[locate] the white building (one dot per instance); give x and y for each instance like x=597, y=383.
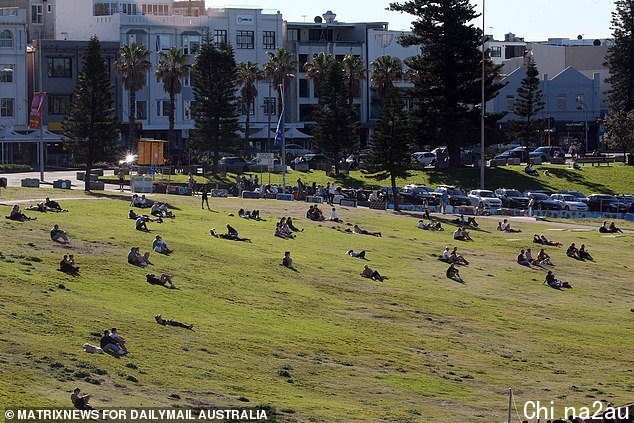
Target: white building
x=14, y=107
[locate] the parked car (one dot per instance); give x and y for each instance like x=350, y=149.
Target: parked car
x=517, y=153
x=578, y=195
x=543, y=201
x=512, y=198
x=234, y=164
x=456, y=197
x=416, y=194
x=606, y=203
x=425, y=158
x=295, y=150
x=547, y=153
x=315, y=161
x=484, y=198
x=569, y=202
x=441, y=154
x=469, y=156
x=627, y=199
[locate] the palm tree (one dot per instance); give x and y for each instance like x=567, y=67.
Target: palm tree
x=414, y=73
x=133, y=66
x=248, y=75
x=386, y=70
x=172, y=67
x=280, y=70
x=317, y=69
x=355, y=73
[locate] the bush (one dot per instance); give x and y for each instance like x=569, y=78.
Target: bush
x=9, y=167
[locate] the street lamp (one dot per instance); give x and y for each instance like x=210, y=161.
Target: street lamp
x=581, y=105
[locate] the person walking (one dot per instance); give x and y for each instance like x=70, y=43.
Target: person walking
x=121, y=179
x=205, y=197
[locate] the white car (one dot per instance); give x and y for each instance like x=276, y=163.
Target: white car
x=296, y=150
x=569, y=202
x=425, y=158
x=485, y=199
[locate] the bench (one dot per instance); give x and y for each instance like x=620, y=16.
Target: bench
x=62, y=184
x=219, y=193
x=30, y=183
x=284, y=197
x=596, y=159
x=251, y=194
x=314, y=199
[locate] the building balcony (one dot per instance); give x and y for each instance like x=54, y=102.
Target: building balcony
x=12, y=15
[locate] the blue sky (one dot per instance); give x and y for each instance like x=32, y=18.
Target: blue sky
x=533, y=19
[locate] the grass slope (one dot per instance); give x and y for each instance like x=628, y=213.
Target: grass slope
x=322, y=344
x=613, y=179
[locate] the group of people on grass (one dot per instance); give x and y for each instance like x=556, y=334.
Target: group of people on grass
x=67, y=265
x=609, y=229
x=433, y=225
x=525, y=258
x=580, y=253
x=47, y=206
x=285, y=228
x=246, y=214
x=541, y=239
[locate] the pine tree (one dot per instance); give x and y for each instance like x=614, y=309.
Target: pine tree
x=391, y=142
x=620, y=58
x=91, y=123
x=448, y=73
x=620, y=130
x=214, y=109
x=530, y=101
x=335, y=132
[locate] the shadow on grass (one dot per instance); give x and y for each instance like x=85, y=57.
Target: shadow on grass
x=576, y=177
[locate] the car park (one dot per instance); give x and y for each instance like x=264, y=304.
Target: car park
x=512, y=198
x=569, y=202
x=606, y=203
x=547, y=153
x=456, y=197
x=543, y=201
x=484, y=198
x=418, y=194
x=517, y=153
x=578, y=195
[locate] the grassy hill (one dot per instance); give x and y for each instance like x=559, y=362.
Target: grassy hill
x=321, y=344
x=614, y=179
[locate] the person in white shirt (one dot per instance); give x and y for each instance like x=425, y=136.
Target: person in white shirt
x=331, y=193
x=334, y=216
x=160, y=246
x=445, y=255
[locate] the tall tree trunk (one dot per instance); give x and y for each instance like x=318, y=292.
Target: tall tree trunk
x=279, y=101
x=247, y=126
x=132, y=119
x=170, y=133
x=394, y=193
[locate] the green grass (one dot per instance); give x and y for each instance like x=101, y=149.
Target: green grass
x=416, y=347
x=617, y=178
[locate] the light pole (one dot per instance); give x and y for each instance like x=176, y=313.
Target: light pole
x=482, y=158
x=581, y=105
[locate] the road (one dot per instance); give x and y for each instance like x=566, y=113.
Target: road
x=14, y=179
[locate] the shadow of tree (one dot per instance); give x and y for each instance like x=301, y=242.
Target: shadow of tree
x=576, y=177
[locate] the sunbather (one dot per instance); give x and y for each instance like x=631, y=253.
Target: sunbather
x=287, y=261
x=165, y=322
x=371, y=274
x=163, y=280
x=573, y=252
x=358, y=230
x=461, y=234
x=554, y=282
x=57, y=234
x=140, y=224
x=231, y=235
x=521, y=259
x=454, y=257
x=80, y=402
x=67, y=265
x=135, y=257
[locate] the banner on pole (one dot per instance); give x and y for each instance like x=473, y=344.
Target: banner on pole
x=35, y=118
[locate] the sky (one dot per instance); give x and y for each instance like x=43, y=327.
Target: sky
x=535, y=20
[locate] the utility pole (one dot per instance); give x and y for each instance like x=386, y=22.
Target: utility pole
x=482, y=158
x=42, y=145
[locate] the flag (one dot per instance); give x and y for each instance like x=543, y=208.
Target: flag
x=35, y=117
x=279, y=132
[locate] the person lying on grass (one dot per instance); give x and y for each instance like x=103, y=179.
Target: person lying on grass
x=358, y=230
x=461, y=234
x=454, y=274
x=522, y=260
x=166, y=322
x=17, y=215
x=135, y=258
x=132, y=215
x=613, y=229
x=541, y=239
x=360, y=254
x=67, y=265
x=80, y=402
x=109, y=345
x=371, y=274
x=163, y=280
x=231, y=235
x=334, y=216
x=554, y=282
x=573, y=252
x=584, y=254
x=53, y=206
x=160, y=246
x=140, y=225
x=160, y=210
x=59, y=235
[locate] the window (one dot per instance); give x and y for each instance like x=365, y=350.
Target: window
x=6, y=73
x=292, y=35
x=162, y=108
x=60, y=67
x=191, y=44
x=187, y=110
x=510, y=103
x=6, y=39
x=244, y=39
x=561, y=102
x=6, y=107
x=220, y=36
x=187, y=80
x=141, y=110
x=269, y=40
x=270, y=106
x=581, y=102
x=37, y=10
x=303, y=88
x=58, y=104
x=49, y=8
x=496, y=51
x=163, y=42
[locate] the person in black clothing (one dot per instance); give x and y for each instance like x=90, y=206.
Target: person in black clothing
x=163, y=280
x=67, y=267
x=231, y=235
x=291, y=226
x=454, y=274
x=360, y=254
x=205, y=197
x=80, y=402
x=165, y=322
x=109, y=345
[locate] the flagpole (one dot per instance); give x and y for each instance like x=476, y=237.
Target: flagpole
x=283, y=140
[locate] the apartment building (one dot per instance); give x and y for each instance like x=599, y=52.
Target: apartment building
x=40, y=17
x=14, y=99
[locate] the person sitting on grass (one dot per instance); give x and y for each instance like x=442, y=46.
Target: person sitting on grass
x=334, y=216
x=231, y=235
x=613, y=229
x=371, y=274
x=461, y=234
x=460, y=221
x=244, y=214
x=17, y=215
x=160, y=210
x=165, y=322
x=255, y=215
x=471, y=221
x=80, y=402
x=57, y=234
x=118, y=338
x=584, y=254
x=291, y=226
x=505, y=226
x=446, y=255
x=135, y=258
x=287, y=261
x=315, y=214
x=108, y=345
x=160, y=246
x=133, y=216
x=521, y=259
x=139, y=202
x=604, y=229
x=454, y=274
x=454, y=257
x=543, y=259
x=282, y=231
x=140, y=224
x=554, y=282
x=53, y=205
x=163, y=280
x=529, y=169
x=360, y=254
x=358, y=230
x=431, y=226
x=67, y=266
x=573, y=252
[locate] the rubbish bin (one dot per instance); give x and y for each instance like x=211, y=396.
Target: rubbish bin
x=629, y=159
